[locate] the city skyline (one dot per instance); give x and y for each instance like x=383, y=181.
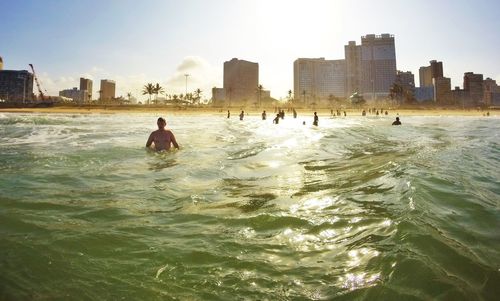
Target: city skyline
x=161, y=41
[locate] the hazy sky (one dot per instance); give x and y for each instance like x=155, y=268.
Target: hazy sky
x=135, y=42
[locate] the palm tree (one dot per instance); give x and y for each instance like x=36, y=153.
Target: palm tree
x=157, y=89
x=260, y=88
x=197, y=94
x=175, y=98
x=148, y=89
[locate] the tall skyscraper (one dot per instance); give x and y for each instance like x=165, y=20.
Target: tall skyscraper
x=108, y=88
x=353, y=67
x=473, y=85
x=86, y=85
x=371, y=66
x=378, y=64
x=241, y=79
x=16, y=86
x=428, y=73
x=317, y=78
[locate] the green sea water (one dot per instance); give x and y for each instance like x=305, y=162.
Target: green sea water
x=355, y=209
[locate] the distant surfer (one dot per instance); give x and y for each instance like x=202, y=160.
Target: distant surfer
x=316, y=119
x=228, y=114
x=397, y=122
x=242, y=114
x=264, y=115
x=162, y=138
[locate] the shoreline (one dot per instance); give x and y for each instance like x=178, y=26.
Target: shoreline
x=235, y=111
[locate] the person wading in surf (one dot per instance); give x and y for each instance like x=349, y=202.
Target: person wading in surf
x=316, y=119
x=162, y=138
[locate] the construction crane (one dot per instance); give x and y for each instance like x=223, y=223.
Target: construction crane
x=42, y=97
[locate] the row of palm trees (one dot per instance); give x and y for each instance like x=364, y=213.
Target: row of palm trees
x=155, y=89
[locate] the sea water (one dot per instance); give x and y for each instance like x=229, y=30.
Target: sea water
x=248, y=210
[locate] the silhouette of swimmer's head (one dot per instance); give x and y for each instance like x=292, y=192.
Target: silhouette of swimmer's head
x=161, y=123
x=397, y=118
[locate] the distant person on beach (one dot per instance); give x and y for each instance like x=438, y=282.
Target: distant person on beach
x=228, y=114
x=397, y=122
x=316, y=119
x=294, y=113
x=363, y=113
x=242, y=114
x=277, y=119
x=162, y=138
x=264, y=115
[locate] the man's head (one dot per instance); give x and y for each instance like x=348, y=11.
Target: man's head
x=161, y=123
x=397, y=118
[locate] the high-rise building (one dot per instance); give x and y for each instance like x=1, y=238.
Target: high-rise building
x=317, y=78
x=86, y=85
x=16, y=86
x=406, y=79
x=218, y=96
x=108, y=88
x=473, y=85
x=1, y=63
x=407, y=82
x=78, y=96
x=378, y=65
x=442, y=90
x=460, y=97
x=371, y=66
x=241, y=79
x=427, y=73
x=491, y=91
x=353, y=67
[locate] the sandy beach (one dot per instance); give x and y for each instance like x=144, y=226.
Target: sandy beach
x=141, y=109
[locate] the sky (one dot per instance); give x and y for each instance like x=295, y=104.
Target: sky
x=137, y=42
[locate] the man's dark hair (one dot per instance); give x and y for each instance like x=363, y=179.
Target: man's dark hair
x=161, y=119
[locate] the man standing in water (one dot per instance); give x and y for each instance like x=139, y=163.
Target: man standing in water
x=264, y=115
x=162, y=138
x=316, y=119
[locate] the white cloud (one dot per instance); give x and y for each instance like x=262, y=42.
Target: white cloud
x=202, y=75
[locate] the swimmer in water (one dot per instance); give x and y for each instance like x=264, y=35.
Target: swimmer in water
x=162, y=138
x=397, y=122
x=277, y=119
x=316, y=119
